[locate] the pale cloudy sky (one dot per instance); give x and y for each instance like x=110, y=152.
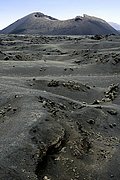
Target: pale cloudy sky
x=12, y=10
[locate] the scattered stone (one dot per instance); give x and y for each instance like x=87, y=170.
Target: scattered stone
x=44, y=103
x=53, y=83
x=112, y=112
x=77, y=61
x=71, y=69
x=14, y=110
x=97, y=37
x=87, y=86
x=98, y=107
x=16, y=96
x=116, y=61
x=112, y=91
x=96, y=102
x=114, y=124
x=2, y=112
x=41, y=69
x=61, y=106
x=111, y=125
x=19, y=57
x=9, y=108
x=63, y=150
x=91, y=121
x=74, y=86
x=82, y=106
x=111, y=175
x=46, y=178
x=6, y=58
x=31, y=84
x=34, y=79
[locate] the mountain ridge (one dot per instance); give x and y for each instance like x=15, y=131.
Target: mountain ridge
x=39, y=23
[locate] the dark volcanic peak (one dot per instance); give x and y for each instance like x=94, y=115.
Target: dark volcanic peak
x=39, y=23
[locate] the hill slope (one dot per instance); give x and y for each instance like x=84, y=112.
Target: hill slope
x=38, y=23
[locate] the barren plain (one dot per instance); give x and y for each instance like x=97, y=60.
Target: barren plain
x=59, y=107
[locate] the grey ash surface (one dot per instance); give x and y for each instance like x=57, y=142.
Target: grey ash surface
x=59, y=107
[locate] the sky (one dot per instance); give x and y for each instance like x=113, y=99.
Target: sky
x=12, y=10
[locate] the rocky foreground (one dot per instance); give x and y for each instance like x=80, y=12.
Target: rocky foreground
x=59, y=107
